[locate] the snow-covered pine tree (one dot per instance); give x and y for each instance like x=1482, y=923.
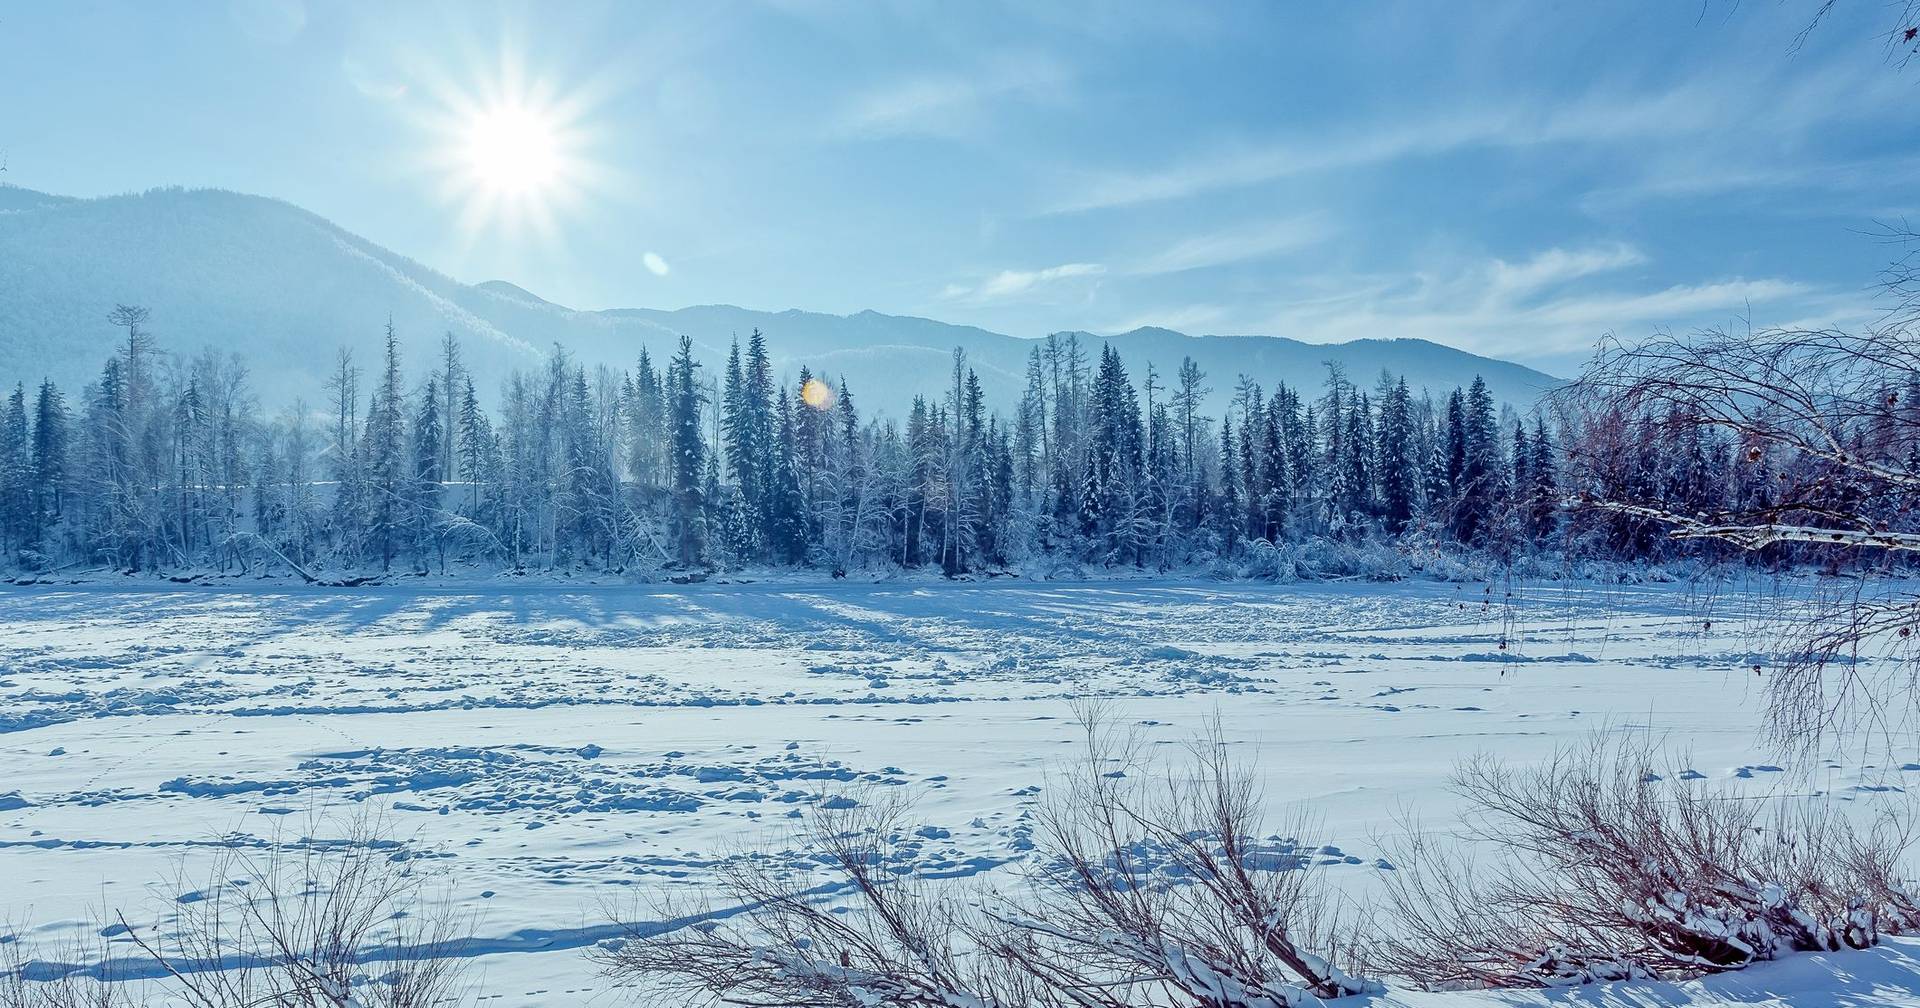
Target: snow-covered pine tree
x=688, y=459
x=427, y=487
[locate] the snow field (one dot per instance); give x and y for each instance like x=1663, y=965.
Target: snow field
x=561, y=751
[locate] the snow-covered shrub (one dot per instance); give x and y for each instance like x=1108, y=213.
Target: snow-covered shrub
x=1154, y=889
x=1267, y=561
x=1368, y=559
x=1599, y=867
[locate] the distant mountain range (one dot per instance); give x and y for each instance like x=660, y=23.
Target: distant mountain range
x=285, y=287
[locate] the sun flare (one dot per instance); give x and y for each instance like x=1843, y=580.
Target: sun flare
x=513, y=150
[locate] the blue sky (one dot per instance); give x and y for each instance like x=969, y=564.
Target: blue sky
x=1516, y=179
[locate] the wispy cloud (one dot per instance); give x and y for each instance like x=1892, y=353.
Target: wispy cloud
x=1549, y=305
x=1721, y=106
x=1079, y=281
x=952, y=104
x=1548, y=308
x=1247, y=165
x=1696, y=174
x=1233, y=245
x=1008, y=285
x=1510, y=281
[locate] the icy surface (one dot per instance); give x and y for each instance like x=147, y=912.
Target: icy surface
x=563, y=750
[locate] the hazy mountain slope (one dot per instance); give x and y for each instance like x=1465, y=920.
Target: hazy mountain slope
x=875, y=350
x=285, y=288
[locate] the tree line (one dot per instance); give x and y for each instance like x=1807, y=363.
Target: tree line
x=164, y=463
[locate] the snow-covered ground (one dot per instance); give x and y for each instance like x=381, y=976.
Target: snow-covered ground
x=563, y=750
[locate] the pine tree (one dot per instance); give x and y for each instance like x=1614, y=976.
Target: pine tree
x=784, y=506
x=1188, y=394
x=1277, y=478
x=1228, y=514
x=1543, y=519
x=1359, y=506
x=688, y=461
x=427, y=489
x=16, y=472
x=1481, y=475
x=1454, y=464
x=1400, y=468
x=646, y=427
x=917, y=491
x=738, y=431
x=452, y=379
x=388, y=482
x=475, y=446
x=49, y=455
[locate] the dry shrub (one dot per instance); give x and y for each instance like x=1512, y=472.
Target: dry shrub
x=26, y=984
x=775, y=938
x=312, y=924
x=1161, y=891
x=1152, y=895
x=1593, y=866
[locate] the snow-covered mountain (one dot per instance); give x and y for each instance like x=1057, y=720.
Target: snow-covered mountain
x=286, y=287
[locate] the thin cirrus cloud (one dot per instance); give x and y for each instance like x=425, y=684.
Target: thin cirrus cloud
x=1527, y=309
x=952, y=105
x=1715, y=109
x=1235, y=245
x=1012, y=284
x=1547, y=308
x=1198, y=252
x=1510, y=281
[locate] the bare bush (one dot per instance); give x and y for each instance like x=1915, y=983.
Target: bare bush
x=779, y=939
x=311, y=924
x=1162, y=892
x=1600, y=868
x=28, y=984
x=1144, y=896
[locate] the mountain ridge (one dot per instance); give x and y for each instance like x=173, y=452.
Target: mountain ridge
x=285, y=286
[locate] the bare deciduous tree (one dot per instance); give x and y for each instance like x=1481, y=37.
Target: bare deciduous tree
x=1824, y=433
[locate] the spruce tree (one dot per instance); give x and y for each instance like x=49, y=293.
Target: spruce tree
x=16, y=472
x=688, y=460
x=1400, y=468
x=426, y=491
x=388, y=482
x=1544, y=515
x=1228, y=515
x=49, y=455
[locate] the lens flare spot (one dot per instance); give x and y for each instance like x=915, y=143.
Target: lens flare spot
x=816, y=394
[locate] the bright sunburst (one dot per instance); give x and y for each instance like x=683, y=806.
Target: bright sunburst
x=513, y=151
x=510, y=148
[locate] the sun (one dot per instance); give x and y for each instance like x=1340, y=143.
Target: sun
x=513, y=151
